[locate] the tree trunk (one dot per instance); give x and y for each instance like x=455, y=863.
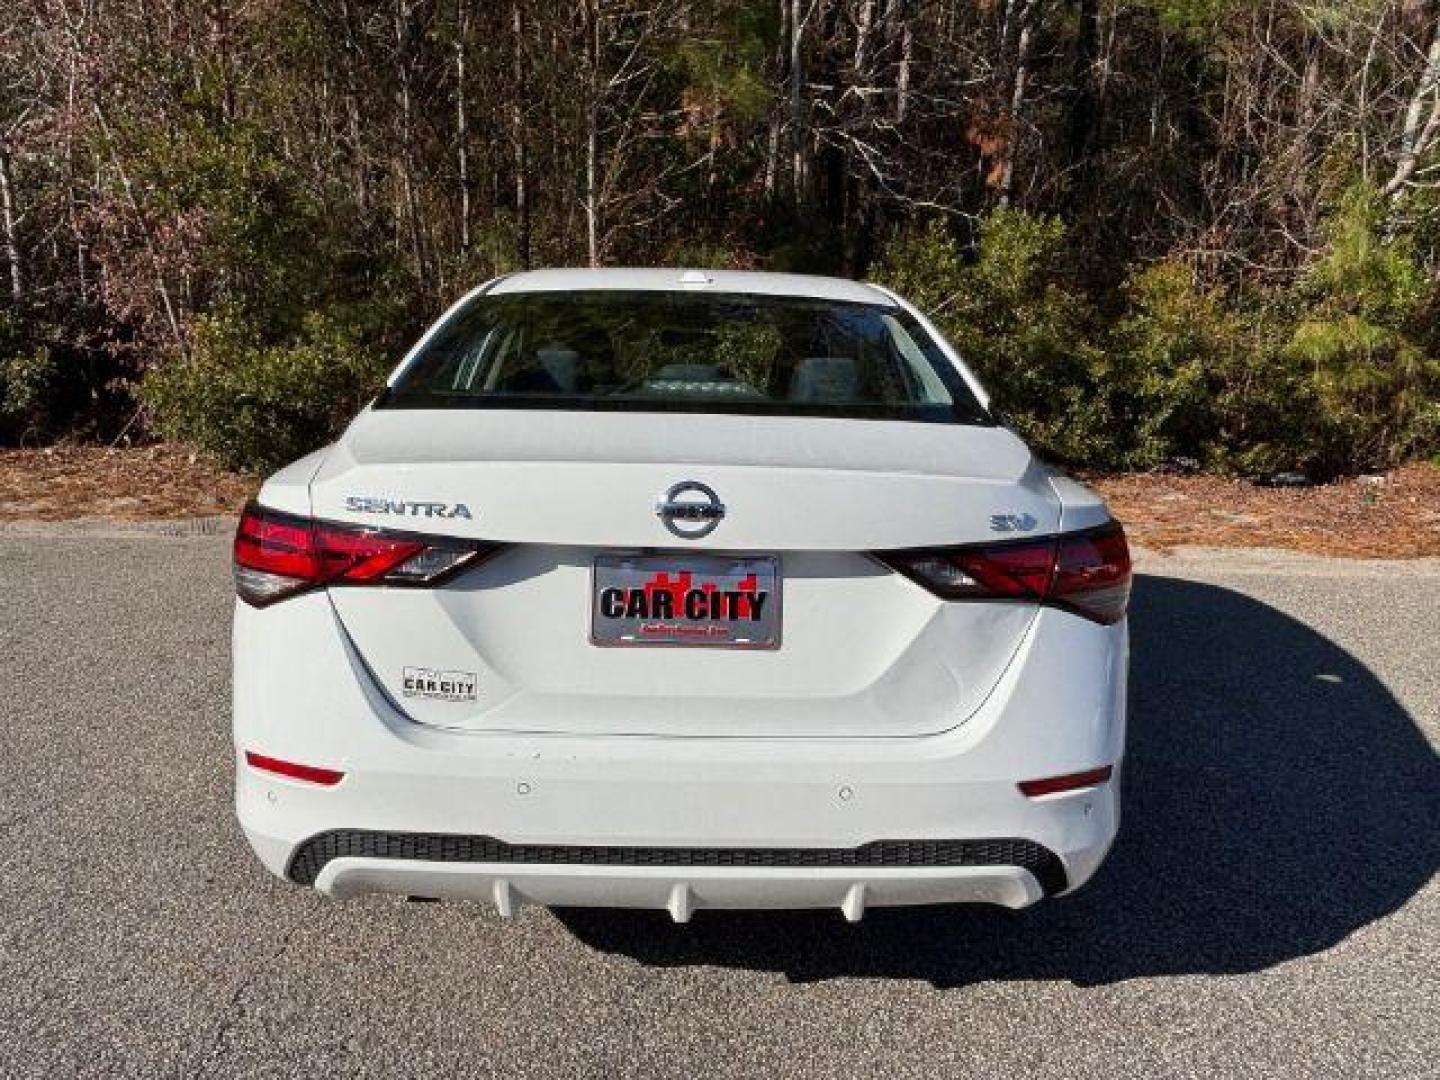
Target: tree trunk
x=776, y=124
x=592, y=211
x=9, y=219
x=864, y=22
x=712, y=165
x=592, y=131
x=1027, y=17
x=1421, y=128
x=410, y=211
x=797, y=112
x=1083, y=118
x=1307, y=114
x=517, y=137
x=462, y=122
x=72, y=210
x=902, y=77
x=772, y=154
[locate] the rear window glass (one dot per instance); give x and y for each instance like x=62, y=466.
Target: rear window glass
x=686, y=352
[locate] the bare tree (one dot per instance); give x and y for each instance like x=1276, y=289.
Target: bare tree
x=1420, y=128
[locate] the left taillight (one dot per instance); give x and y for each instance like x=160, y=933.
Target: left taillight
x=278, y=555
x=1087, y=572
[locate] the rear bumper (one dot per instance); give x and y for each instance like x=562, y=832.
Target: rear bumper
x=680, y=892
x=675, y=823
x=1013, y=873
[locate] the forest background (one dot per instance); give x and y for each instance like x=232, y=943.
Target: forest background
x=1183, y=234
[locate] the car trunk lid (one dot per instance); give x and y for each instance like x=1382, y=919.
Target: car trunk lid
x=858, y=649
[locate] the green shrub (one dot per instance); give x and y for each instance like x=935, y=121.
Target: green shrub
x=28, y=379
x=1366, y=344
x=1173, y=349
x=31, y=384
x=1013, y=319
x=1337, y=373
x=1201, y=377
x=256, y=406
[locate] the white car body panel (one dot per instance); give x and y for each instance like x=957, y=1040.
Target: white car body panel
x=594, y=478
x=896, y=671
x=1081, y=507
x=906, y=663
x=703, y=792
x=885, y=714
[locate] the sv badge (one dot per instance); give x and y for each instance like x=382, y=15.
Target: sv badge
x=1012, y=522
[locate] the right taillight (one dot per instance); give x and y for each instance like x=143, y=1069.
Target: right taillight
x=279, y=555
x=1084, y=572
x=1092, y=574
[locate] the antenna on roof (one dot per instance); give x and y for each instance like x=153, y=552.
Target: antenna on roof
x=696, y=277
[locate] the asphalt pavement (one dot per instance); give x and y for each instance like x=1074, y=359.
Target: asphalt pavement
x=1270, y=909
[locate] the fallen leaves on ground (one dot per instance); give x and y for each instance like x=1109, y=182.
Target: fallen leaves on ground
x=1390, y=516
x=125, y=484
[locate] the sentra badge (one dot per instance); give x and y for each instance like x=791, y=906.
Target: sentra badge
x=371, y=504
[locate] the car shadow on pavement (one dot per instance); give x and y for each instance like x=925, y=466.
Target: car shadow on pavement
x=1277, y=799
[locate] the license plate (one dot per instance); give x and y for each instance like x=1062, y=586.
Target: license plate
x=686, y=600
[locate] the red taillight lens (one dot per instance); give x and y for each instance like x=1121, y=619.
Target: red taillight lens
x=1092, y=574
x=276, y=544
x=1021, y=571
x=313, y=774
x=1087, y=572
x=352, y=556
x=278, y=555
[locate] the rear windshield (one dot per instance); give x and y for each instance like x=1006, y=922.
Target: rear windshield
x=686, y=352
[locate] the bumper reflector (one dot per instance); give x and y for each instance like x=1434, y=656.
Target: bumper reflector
x=1053, y=785
x=294, y=771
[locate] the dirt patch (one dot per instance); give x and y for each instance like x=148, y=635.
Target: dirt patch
x=130, y=484
x=1395, y=516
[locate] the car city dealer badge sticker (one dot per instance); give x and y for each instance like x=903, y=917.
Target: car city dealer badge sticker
x=439, y=685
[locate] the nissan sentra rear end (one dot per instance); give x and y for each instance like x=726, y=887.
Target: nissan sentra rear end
x=717, y=590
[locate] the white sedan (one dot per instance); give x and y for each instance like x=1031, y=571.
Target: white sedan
x=642, y=588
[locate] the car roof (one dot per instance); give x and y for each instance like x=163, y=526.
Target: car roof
x=684, y=280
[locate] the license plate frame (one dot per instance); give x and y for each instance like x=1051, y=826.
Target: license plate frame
x=733, y=627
